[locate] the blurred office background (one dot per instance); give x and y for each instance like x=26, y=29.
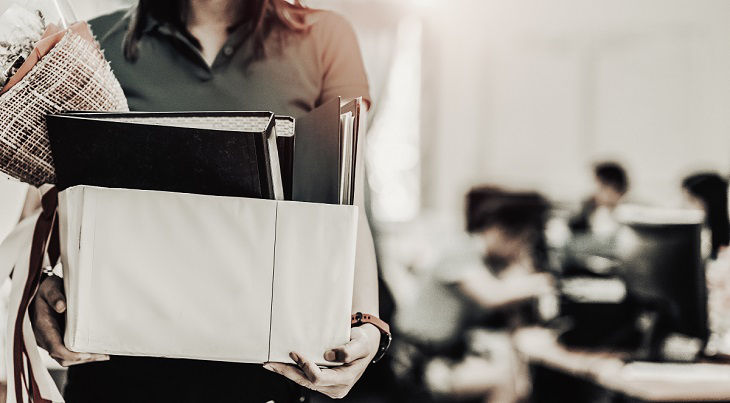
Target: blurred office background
x=526, y=95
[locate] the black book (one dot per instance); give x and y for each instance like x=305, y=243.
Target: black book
x=213, y=153
x=317, y=155
x=349, y=137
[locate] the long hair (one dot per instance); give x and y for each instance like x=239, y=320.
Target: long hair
x=260, y=18
x=712, y=189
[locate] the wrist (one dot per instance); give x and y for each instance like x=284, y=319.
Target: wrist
x=359, y=319
x=373, y=338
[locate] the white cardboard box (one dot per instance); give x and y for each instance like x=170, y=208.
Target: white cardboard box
x=179, y=275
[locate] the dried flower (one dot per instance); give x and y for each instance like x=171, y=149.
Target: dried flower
x=20, y=29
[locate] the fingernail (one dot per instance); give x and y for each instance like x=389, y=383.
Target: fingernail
x=268, y=367
x=329, y=355
x=60, y=306
x=103, y=358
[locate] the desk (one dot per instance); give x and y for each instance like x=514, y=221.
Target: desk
x=680, y=383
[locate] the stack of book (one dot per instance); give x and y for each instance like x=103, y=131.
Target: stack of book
x=242, y=154
x=224, y=236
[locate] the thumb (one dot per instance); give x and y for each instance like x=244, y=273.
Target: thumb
x=355, y=349
x=53, y=294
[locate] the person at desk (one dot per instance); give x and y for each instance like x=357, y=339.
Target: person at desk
x=596, y=214
x=708, y=192
x=454, y=340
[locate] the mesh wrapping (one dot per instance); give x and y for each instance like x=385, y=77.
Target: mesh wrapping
x=73, y=76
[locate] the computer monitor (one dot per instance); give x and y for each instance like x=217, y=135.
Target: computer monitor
x=662, y=265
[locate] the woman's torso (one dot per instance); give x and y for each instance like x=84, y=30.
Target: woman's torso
x=298, y=73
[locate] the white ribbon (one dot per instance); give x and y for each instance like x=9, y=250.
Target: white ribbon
x=15, y=253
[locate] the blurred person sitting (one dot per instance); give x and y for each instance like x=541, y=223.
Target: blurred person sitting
x=596, y=214
x=709, y=192
x=454, y=338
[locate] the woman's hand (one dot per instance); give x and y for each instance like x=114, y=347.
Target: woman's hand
x=334, y=382
x=49, y=306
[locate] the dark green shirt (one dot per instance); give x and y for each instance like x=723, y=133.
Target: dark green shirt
x=297, y=75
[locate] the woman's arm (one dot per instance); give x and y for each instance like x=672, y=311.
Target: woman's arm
x=32, y=202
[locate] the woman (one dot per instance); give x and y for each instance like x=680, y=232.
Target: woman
x=224, y=55
x=708, y=191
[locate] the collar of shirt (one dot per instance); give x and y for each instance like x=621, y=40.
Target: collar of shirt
x=236, y=38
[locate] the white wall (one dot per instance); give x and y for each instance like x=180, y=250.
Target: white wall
x=528, y=92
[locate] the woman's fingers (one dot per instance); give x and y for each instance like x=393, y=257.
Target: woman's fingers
x=45, y=324
x=355, y=349
x=317, y=376
x=45, y=320
x=335, y=383
x=49, y=336
x=306, y=373
x=47, y=327
x=51, y=290
x=291, y=372
x=310, y=369
x=68, y=358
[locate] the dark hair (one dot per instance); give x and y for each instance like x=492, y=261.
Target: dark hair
x=259, y=16
x=712, y=189
x=516, y=213
x=612, y=174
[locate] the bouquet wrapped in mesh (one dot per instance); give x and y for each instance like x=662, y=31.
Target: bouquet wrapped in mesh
x=65, y=71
